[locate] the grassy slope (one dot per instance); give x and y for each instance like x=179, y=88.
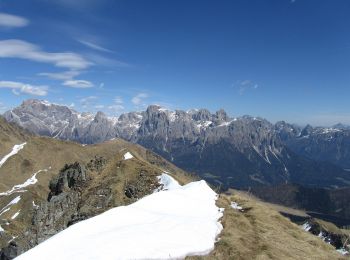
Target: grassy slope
x=262, y=233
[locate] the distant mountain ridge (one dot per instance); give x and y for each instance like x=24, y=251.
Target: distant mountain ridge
x=241, y=152
x=330, y=144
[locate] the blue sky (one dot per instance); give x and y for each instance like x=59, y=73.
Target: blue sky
x=278, y=59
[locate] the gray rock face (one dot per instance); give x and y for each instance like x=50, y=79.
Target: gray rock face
x=239, y=152
x=329, y=144
x=61, y=122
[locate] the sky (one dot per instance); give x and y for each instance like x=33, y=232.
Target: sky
x=277, y=59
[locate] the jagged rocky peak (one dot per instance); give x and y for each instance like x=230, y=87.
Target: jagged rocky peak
x=202, y=115
x=130, y=117
x=341, y=126
x=70, y=177
x=287, y=131
x=307, y=130
x=100, y=116
x=221, y=115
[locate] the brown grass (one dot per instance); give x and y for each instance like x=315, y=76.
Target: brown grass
x=262, y=233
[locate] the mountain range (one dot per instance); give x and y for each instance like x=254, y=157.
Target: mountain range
x=239, y=152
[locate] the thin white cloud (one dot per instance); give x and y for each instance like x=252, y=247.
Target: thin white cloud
x=118, y=100
x=19, y=88
x=66, y=75
x=244, y=85
x=78, y=83
x=87, y=102
x=117, y=107
x=139, y=98
x=12, y=21
x=99, y=106
x=89, y=98
x=94, y=46
x=105, y=61
x=24, y=50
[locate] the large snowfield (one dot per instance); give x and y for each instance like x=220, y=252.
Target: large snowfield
x=170, y=224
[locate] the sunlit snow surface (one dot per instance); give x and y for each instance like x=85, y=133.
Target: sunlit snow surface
x=306, y=226
x=14, y=151
x=8, y=206
x=172, y=223
x=167, y=182
x=235, y=205
x=128, y=156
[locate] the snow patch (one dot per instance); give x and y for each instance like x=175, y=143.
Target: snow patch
x=167, y=183
x=204, y=124
x=14, y=151
x=169, y=224
x=8, y=206
x=343, y=251
x=306, y=226
x=18, y=188
x=235, y=205
x=226, y=123
x=34, y=205
x=128, y=156
x=15, y=215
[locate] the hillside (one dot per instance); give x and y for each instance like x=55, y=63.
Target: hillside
x=46, y=168
x=254, y=230
x=329, y=203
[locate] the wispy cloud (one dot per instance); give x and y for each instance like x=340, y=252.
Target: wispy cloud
x=12, y=21
x=106, y=61
x=94, y=46
x=99, y=106
x=24, y=50
x=19, y=88
x=78, y=83
x=244, y=85
x=66, y=75
x=139, y=98
x=89, y=101
x=117, y=107
x=118, y=100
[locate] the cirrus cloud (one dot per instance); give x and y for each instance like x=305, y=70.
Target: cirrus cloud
x=24, y=50
x=138, y=99
x=12, y=21
x=65, y=75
